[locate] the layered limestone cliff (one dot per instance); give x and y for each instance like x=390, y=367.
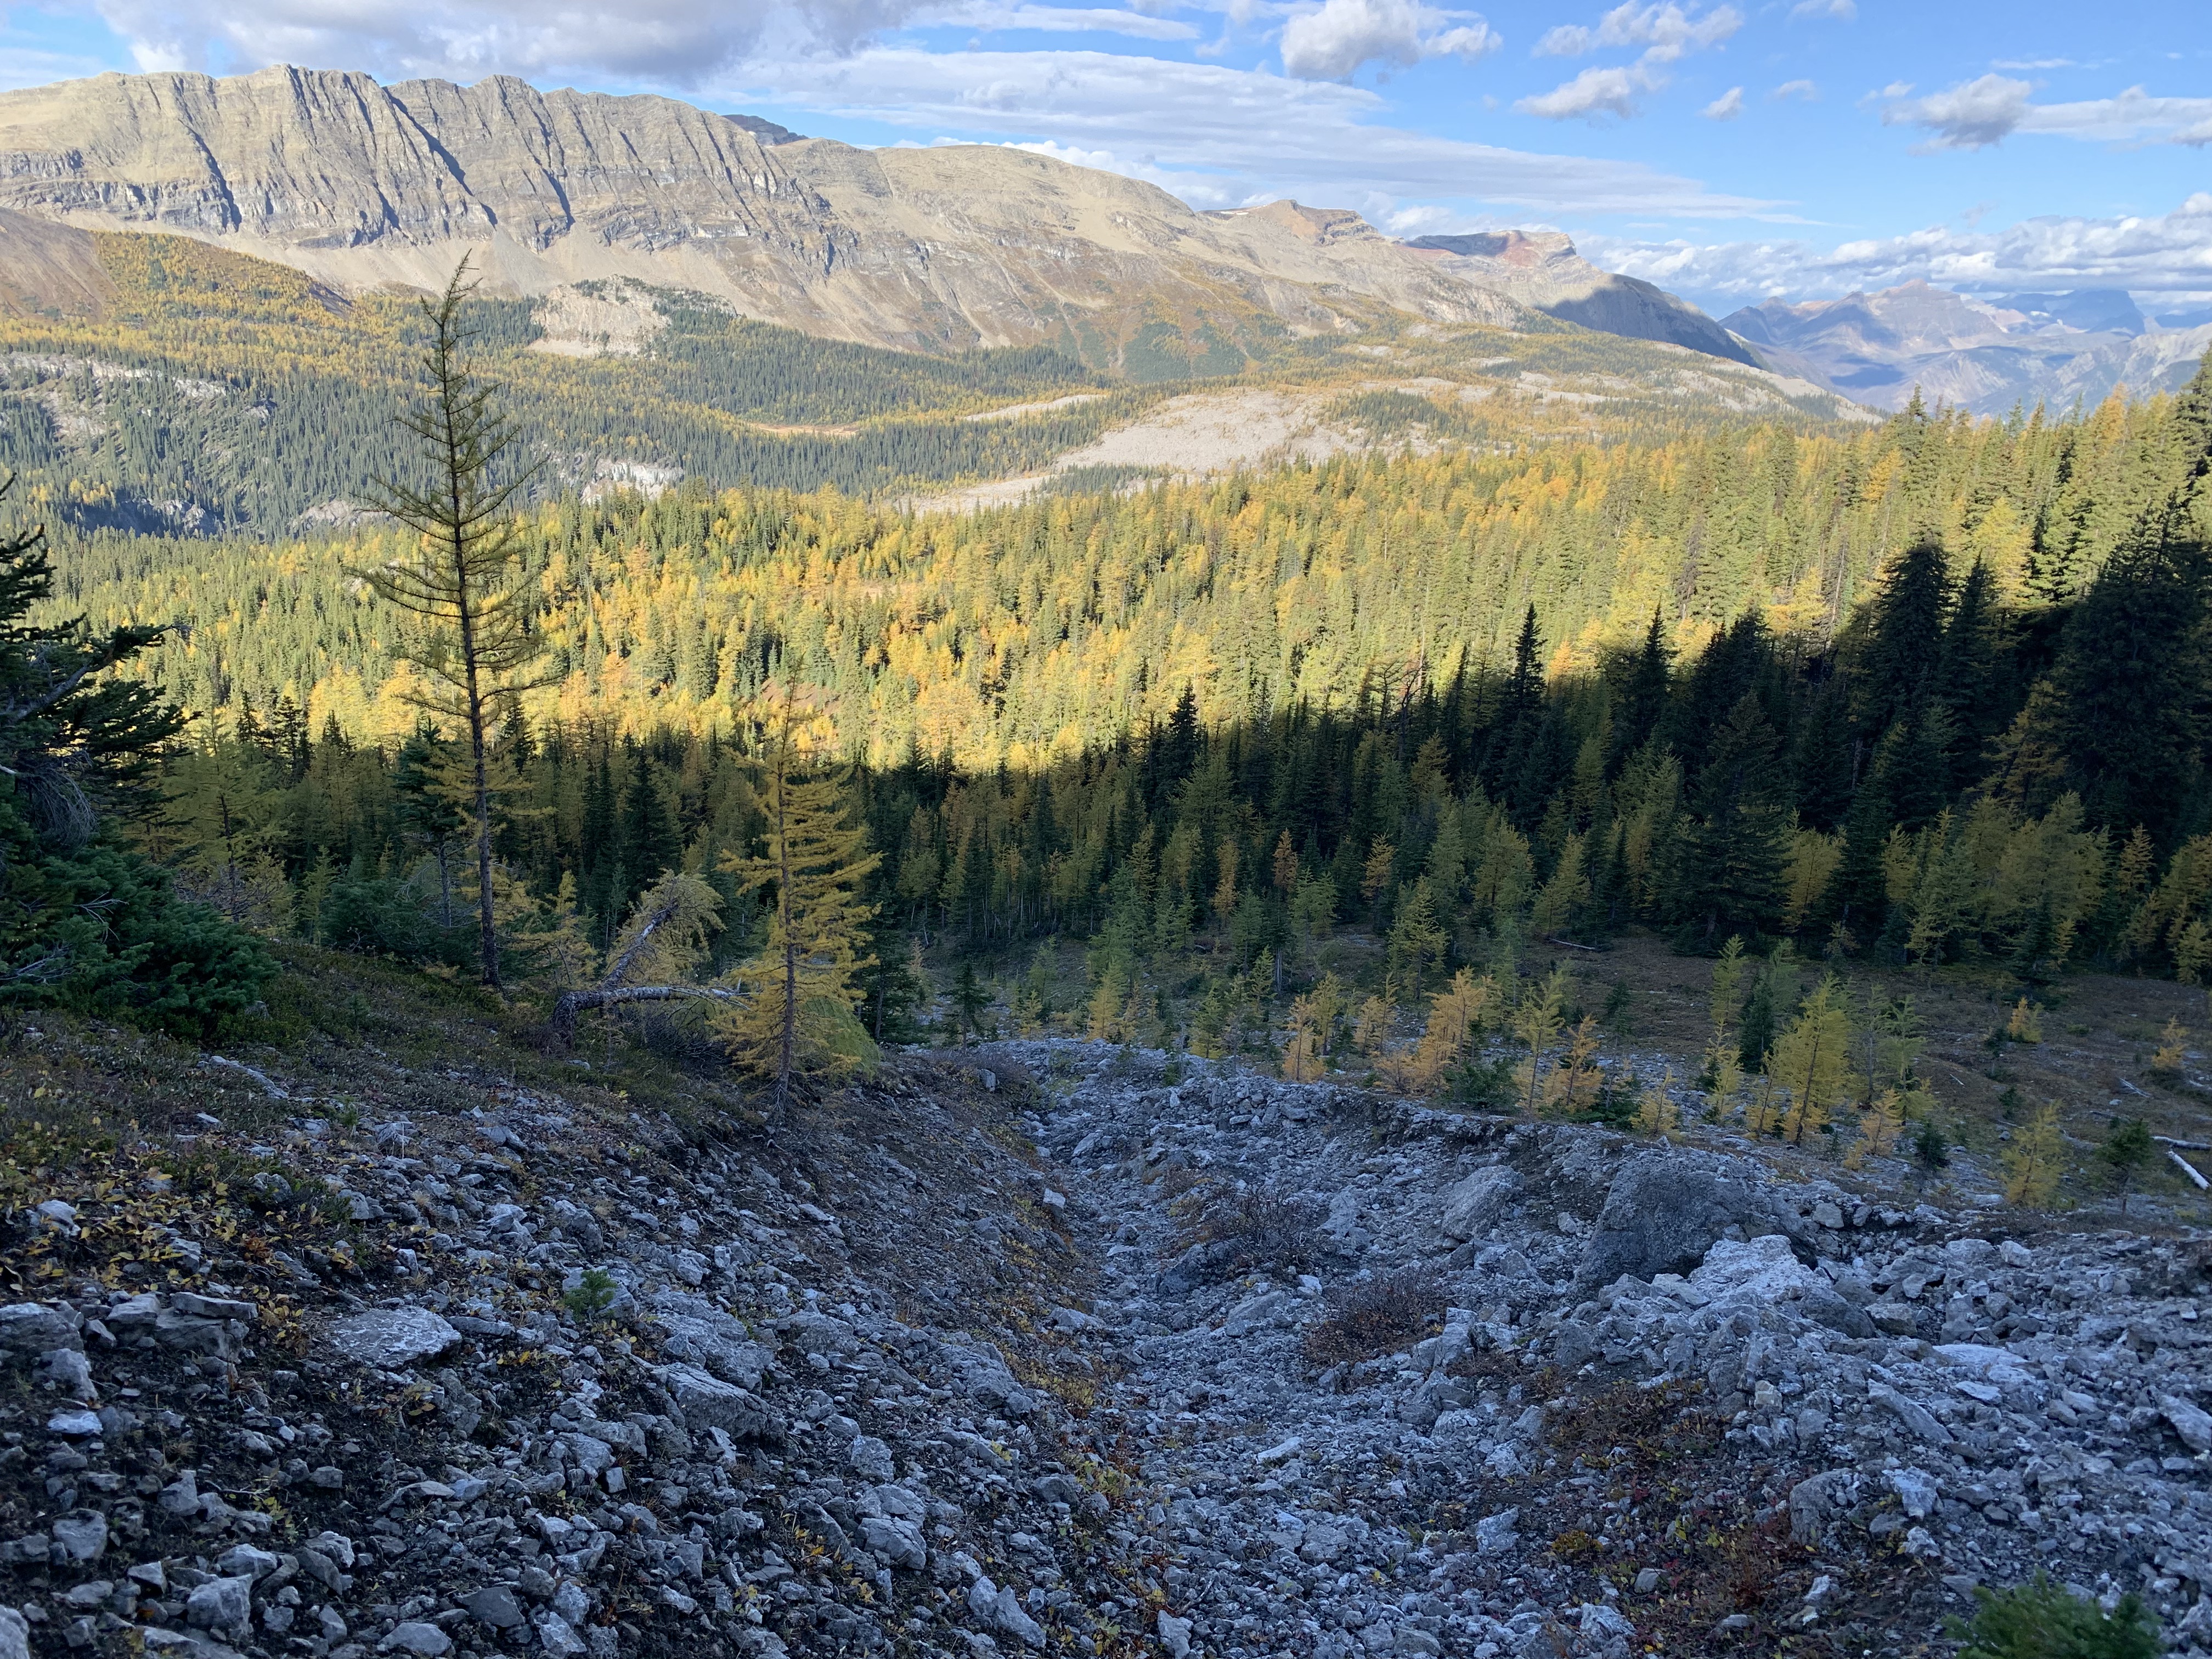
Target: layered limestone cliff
x=361, y=184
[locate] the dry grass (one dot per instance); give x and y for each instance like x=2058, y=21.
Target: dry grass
x=1633, y=1429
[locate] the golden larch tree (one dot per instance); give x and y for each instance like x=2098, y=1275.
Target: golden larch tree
x=796, y=1017
x=1810, y=1061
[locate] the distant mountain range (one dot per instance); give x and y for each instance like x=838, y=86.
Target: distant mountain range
x=1984, y=353
x=362, y=184
x=558, y=194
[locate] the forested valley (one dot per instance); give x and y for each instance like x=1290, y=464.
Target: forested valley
x=1929, y=694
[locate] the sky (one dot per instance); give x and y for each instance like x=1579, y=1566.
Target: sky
x=1731, y=152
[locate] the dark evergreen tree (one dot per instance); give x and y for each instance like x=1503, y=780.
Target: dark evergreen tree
x=2133, y=679
x=652, y=845
x=599, y=881
x=1858, y=899
x=1823, y=767
x=1912, y=766
x=1640, y=702
x=84, y=920
x=1903, y=631
x=1730, y=858
x=1973, y=684
x=1739, y=662
x=1755, y=1033
x=1519, y=711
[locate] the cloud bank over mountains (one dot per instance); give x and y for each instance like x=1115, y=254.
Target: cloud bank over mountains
x=2170, y=254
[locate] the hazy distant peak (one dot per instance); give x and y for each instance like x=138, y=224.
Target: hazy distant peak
x=1981, y=352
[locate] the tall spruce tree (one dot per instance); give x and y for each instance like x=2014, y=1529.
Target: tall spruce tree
x=84, y=919
x=1640, y=702
x=1902, y=658
x=1733, y=848
x=652, y=844
x=2134, y=680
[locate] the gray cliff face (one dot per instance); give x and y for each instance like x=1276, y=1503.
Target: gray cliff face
x=360, y=184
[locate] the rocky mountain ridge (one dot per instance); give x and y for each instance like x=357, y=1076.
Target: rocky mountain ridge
x=946, y=247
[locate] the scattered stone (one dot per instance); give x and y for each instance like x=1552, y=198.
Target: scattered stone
x=1663, y=1212
x=392, y=1338
x=2193, y=1425
x=80, y=1535
x=221, y=1604
x=1471, y=1207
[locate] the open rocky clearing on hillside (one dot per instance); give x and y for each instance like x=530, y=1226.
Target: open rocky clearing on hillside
x=1041, y=1348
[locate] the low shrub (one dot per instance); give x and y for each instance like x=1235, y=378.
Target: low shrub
x=2041, y=1620
x=1251, y=1227
x=1376, y=1317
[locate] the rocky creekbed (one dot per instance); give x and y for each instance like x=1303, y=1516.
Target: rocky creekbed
x=1041, y=1352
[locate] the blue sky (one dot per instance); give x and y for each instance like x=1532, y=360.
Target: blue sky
x=1728, y=151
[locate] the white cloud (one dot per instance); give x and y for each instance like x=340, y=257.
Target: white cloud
x=1335, y=40
x=1977, y=113
x=1804, y=91
x=1668, y=31
x=1593, y=93
x=679, y=43
x=1970, y=116
x=1060, y=20
x=1844, y=11
x=2167, y=254
x=1726, y=108
x=1222, y=133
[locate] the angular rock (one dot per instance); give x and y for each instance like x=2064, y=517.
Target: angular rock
x=1494, y=1534
x=1471, y=1207
x=80, y=1535
x=416, y=1637
x=897, y=1542
x=1916, y=1491
x=1663, y=1212
x=1816, y=1502
x=244, y=1561
x=706, y=1401
x=1001, y=1610
x=870, y=1458
x=224, y=1604
x=1760, y=1270
x=2193, y=1425
x=1173, y=1634
x=1914, y=1415
x=32, y=1328
x=390, y=1339
x=185, y=1333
